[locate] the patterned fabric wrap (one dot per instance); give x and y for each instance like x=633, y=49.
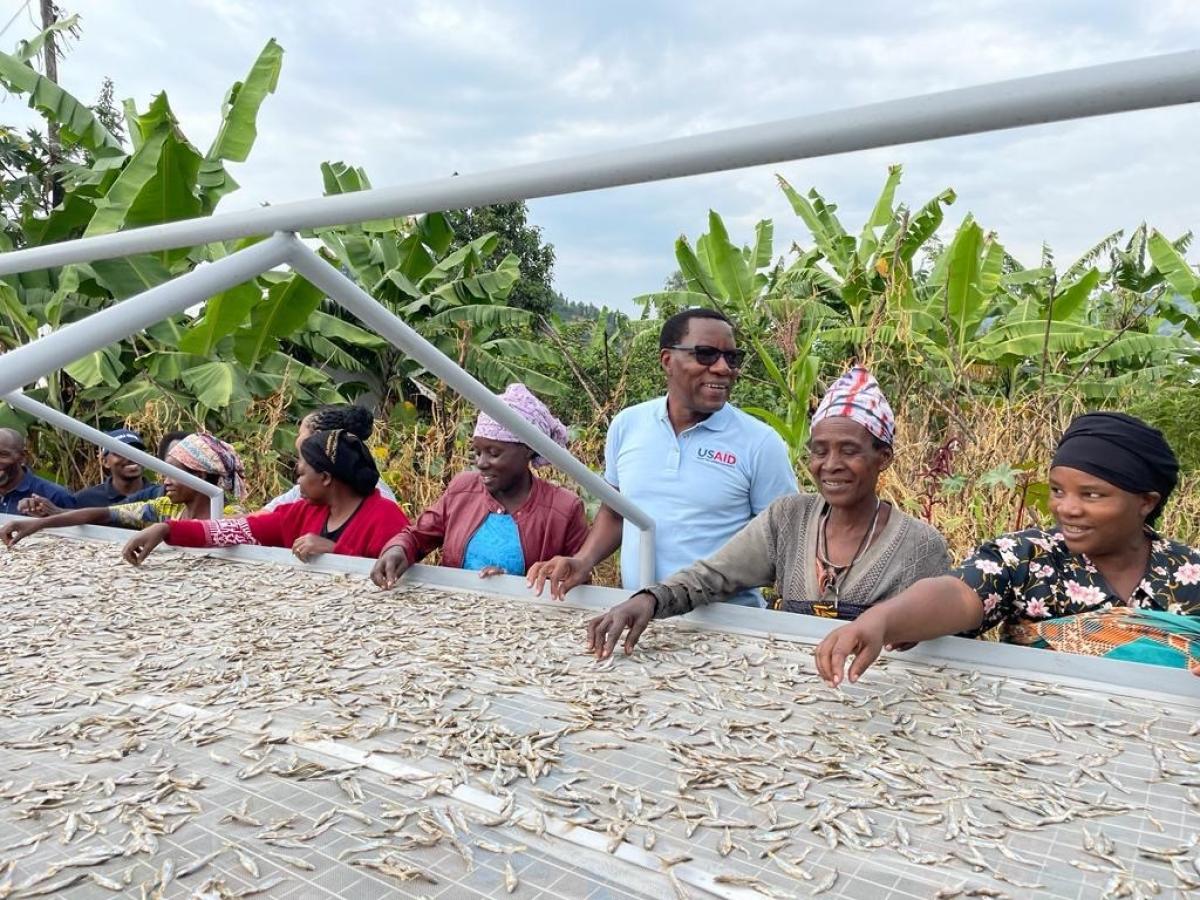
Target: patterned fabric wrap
x=228, y=532
x=856, y=395
x=1032, y=576
x=1135, y=635
x=518, y=398
x=205, y=453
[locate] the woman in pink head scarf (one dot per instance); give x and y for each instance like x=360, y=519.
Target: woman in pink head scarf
x=499, y=518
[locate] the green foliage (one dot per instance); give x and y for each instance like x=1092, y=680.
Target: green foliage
x=275, y=337
x=1173, y=406
x=961, y=319
x=534, y=290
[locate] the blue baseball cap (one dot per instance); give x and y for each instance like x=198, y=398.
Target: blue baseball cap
x=127, y=436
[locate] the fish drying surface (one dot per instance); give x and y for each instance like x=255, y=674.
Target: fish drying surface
x=201, y=727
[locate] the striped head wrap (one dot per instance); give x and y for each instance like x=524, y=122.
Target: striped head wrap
x=520, y=400
x=856, y=395
x=205, y=453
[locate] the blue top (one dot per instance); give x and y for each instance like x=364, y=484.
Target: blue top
x=104, y=494
x=149, y=492
x=496, y=542
x=32, y=484
x=700, y=487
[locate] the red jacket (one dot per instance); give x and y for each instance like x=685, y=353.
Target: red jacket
x=373, y=524
x=550, y=522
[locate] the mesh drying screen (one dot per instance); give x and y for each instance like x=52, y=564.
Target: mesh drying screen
x=305, y=727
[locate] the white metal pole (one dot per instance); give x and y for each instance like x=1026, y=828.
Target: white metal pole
x=1078, y=93
x=59, y=419
x=28, y=363
x=357, y=301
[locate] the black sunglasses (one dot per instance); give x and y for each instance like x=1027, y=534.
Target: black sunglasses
x=708, y=356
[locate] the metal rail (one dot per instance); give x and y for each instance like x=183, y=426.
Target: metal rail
x=354, y=299
x=1097, y=90
x=30, y=362
x=1147, y=83
x=18, y=400
x=1116, y=677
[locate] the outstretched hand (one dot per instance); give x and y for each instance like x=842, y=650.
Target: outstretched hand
x=18, y=529
x=38, y=506
x=562, y=573
x=605, y=630
x=857, y=643
x=143, y=543
x=392, y=563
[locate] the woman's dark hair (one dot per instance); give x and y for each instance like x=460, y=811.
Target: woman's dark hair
x=676, y=327
x=165, y=442
x=344, y=456
x=358, y=420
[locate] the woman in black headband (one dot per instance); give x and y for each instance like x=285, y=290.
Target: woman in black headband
x=1102, y=582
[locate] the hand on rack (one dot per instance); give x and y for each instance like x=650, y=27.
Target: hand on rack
x=392, y=563
x=605, y=630
x=562, y=572
x=308, y=546
x=143, y=543
x=861, y=639
x=16, y=530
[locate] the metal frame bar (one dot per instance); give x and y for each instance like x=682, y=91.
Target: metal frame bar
x=136, y=313
x=1063, y=669
x=18, y=400
x=30, y=362
x=1148, y=83
x=1097, y=90
x=354, y=299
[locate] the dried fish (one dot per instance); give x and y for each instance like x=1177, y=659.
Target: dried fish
x=510, y=878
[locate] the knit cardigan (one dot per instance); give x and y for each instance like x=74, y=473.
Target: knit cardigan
x=779, y=547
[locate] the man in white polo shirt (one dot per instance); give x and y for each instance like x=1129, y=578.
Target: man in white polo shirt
x=699, y=466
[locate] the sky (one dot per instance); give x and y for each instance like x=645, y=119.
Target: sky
x=413, y=91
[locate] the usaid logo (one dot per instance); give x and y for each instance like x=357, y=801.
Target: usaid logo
x=724, y=457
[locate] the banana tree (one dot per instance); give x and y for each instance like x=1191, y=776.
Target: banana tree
x=855, y=275
x=208, y=373
x=455, y=299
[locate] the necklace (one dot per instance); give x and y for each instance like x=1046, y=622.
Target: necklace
x=837, y=574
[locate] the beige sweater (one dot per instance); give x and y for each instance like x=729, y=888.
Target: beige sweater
x=779, y=547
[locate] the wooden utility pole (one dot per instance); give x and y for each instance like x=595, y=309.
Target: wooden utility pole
x=53, y=143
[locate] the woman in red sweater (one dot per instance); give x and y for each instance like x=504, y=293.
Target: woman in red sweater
x=500, y=518
x=341, y=512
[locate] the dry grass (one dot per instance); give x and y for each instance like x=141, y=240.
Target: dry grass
x=417, y=461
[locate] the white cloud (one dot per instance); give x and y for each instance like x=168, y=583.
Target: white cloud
x=414, y=91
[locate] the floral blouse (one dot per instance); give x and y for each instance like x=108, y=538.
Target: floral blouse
x=1031, y=575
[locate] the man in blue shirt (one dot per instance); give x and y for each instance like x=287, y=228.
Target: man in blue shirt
x=123, y=477
x=17, y=483
x=699, y=466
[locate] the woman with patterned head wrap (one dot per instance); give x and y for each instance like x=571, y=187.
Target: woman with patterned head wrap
x=833, y=554
x=1101, y=582
x=201, y=455
x=340, y=510
x=499, y=518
